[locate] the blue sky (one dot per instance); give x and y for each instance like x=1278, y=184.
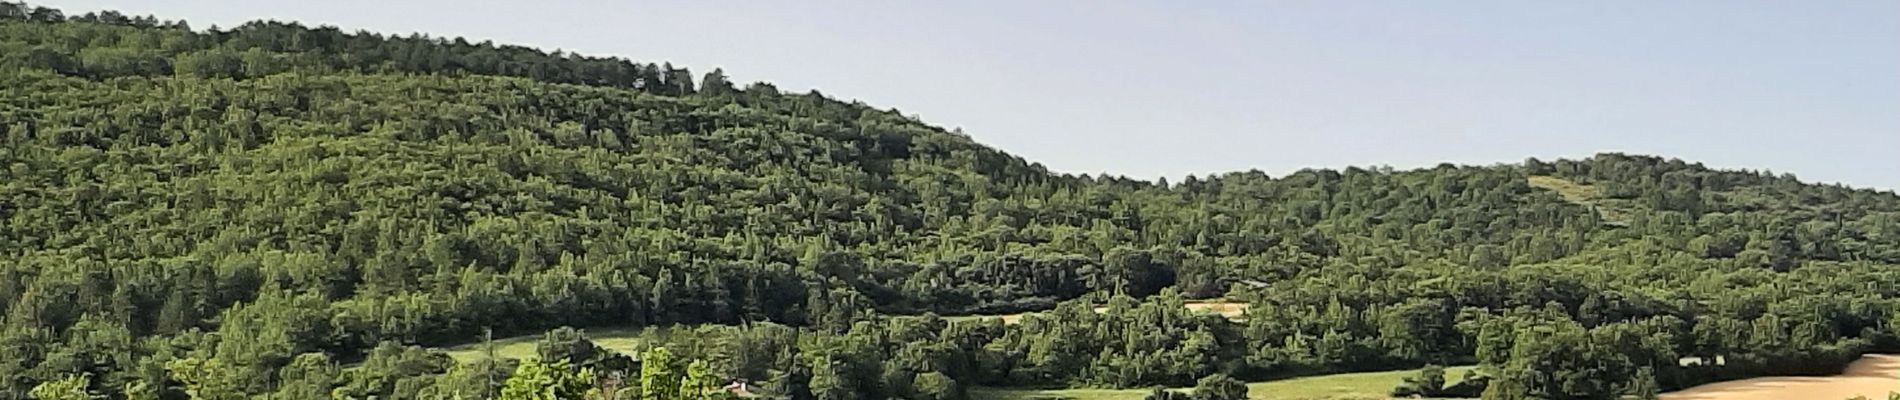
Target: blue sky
x=1150, y=89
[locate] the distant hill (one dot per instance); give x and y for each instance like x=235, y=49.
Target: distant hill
x=245, y=210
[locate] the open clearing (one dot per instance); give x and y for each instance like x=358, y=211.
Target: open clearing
x=1873, y=376
x=1231, y=310
x=623, y=340
x=1614, y=211
x=1353, y=386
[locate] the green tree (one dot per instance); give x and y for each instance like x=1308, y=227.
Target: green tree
x=308, y=376
x=206, y=379
x=68, y=388
x=936, y=386
x=1429, y=382
x=536, y=380
x=1643, y=385
x=1220, y=387
x=715, y=84
x=659, y=377
x=698, y=383
x=568, y=344
x=1162, y=393
x=831, y=381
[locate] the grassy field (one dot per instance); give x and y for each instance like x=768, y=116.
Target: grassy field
x=1354, y=386
x=1231, y=310
x=522, y=347
x=1614, y=211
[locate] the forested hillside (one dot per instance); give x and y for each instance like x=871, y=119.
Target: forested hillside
x=280, y=211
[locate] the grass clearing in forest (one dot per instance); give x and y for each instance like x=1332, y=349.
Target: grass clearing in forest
x=1232, y=310
x=1614, y=211
x=1358, y=385
x=987, y=393
x=623, y=340
x=1351, y=386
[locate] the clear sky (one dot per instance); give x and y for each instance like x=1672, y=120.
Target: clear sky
x=1151, y=89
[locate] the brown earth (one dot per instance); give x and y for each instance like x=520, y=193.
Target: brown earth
x=1873, y=376
x=1231, y=310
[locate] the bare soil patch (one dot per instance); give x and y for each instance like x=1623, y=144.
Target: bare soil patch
x=1873, y=376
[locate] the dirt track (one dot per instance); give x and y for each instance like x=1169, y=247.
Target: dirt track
x=1872, y=376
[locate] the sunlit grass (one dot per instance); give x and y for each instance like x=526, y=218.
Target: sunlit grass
x=1614, y=211
x=623, y=340
x=1353, y=386
x=1231, y=310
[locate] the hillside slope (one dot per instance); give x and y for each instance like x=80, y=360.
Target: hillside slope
x=245, y=210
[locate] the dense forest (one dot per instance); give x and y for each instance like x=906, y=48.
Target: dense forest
x=288, y=212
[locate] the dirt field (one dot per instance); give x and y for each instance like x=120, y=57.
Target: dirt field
x=1233, y=311
x=1358, y=385
x=1872, y=376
